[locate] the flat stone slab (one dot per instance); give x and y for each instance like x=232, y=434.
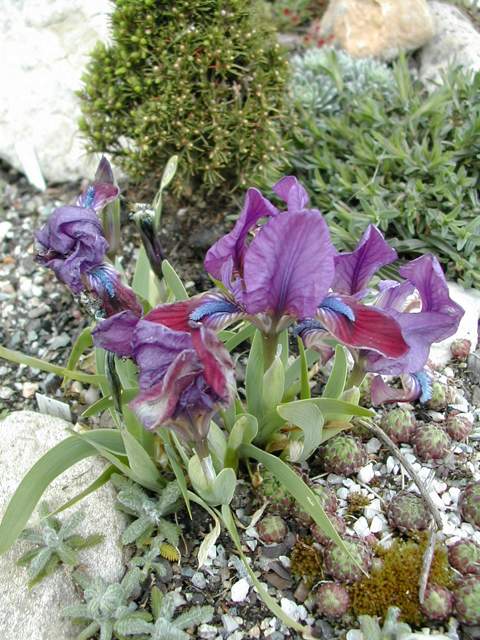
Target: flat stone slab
x=36, y=614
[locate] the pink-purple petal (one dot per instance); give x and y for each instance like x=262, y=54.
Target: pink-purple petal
x=224, y=259
x=382, y=393
x=353, y=271
x=292, y=193
x=289, y=267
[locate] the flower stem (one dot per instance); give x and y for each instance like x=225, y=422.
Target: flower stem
x=208, y=469
x=270, y=343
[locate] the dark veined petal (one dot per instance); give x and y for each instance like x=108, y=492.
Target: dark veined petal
x=288, y=267
x=313, y=337
x=175, y=316
x=224, y=259
x=217, y=364
x=361, y=326
x=414, y=387
x=353, y=271
x=155, y=346
x=292, y=192
x=158, y=403
x=115, y=333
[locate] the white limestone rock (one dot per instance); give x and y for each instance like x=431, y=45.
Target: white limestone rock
x=44, y=48
x=36, y=614
x=456, y=42
x=469, y=299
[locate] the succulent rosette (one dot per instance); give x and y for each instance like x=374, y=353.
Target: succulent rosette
x=73, y=245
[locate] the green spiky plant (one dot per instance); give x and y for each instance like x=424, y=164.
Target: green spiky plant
x=178, y=76
x=166, y=626
x=149, y=513
x=108, y=608
x=55, y=542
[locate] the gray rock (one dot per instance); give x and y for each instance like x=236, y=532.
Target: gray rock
x=36, y=614
x=44, y=49
x=456, y=42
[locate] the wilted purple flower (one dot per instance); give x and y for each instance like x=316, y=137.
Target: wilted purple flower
x=184, y=377
x=72, y=243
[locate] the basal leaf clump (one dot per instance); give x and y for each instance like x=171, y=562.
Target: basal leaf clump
x=395, y=582
x=204, y=80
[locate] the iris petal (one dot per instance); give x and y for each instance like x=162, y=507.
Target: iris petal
x=371, y=329
x=354, y=270
x=288, y=267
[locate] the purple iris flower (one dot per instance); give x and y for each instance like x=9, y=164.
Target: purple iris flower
x=185, y=377
x=284, y=274
x=73, y=245
x=421, y=306
x=280, y=274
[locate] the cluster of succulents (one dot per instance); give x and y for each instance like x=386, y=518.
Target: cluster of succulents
x=332, y=600
x=464, y=556
x=431, y=442
x=458, y=426
x=343, y=455
x=272, y=529
x=408, y=512
x=399, y=424
x=347, y=566
x=469, y=503
x=438, y=603
x=467, y=601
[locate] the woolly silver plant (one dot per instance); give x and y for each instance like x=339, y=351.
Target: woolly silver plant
x=322, y=75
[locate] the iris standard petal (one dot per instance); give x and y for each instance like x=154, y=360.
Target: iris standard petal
x=292, y=192
x=115, y=333
x=288, y=267
x=353, y=271
x=361, y=326
x=226, y=255
x=102, y=191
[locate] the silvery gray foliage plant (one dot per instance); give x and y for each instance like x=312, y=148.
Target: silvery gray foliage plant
x=149, y=513
x=166, y=626
x=107, y=608
x=321, y=76
x=55, y=542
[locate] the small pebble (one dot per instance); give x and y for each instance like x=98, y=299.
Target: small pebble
x=239, y=590
x=199, y=581
x=366, y=473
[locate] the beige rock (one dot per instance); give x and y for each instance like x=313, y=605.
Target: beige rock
x=37, y=614
x=378, y=28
